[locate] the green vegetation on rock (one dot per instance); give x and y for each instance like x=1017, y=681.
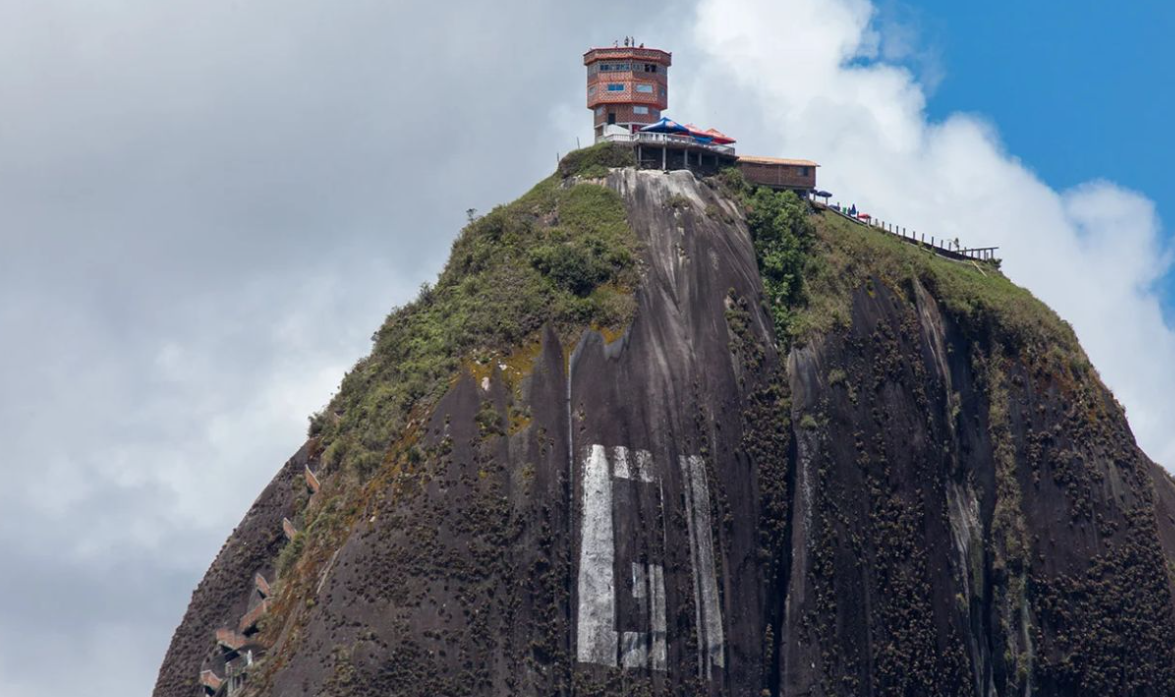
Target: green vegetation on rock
x=847, y=256
x=594, y=162
x=783, y=235
x=563, y=255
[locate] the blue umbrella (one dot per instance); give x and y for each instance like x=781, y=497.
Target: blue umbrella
x=665, y=126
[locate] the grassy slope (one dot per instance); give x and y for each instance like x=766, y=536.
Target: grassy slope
x=846, y=256
x=563, y=254
x=1124, y=592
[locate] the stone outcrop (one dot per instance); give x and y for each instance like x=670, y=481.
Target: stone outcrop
x=899, y=505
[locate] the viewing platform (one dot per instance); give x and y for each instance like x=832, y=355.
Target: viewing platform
x=668, y=151
x=669, y=140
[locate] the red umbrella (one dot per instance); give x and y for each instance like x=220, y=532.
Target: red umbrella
x=719, y=137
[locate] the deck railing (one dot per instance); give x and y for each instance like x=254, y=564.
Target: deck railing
x=943, y=247
x=671, y=140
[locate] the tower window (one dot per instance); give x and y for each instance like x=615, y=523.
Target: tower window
x=644, y=110
x=647, y=89
x=615, y=87
x=650, y=67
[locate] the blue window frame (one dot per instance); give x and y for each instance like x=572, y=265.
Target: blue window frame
x=615, y=87
x=647, y=89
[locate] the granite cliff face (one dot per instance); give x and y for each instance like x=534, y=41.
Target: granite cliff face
x=916, y=491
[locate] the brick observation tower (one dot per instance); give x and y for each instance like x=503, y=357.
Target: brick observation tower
x=627, y=86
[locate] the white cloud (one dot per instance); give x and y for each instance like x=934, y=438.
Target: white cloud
x=206, y=208
x=808, y=83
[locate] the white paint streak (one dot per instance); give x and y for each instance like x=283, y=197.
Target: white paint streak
x=639, y=583
x=691, y=526
x=639, y=466
x=644, y=465
x=634, y=650
x=711, y=640
x=658, y=655
x=596, y=640
x=620, y=468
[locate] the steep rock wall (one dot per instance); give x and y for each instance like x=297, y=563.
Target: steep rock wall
x=965, y=524
x=223, y=595
x=907, y=507
x=612, y=543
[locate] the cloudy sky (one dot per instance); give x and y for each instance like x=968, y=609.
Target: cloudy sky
x=207, y=206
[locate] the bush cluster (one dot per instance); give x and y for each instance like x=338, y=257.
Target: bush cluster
x=593, y=162
x=783, y=235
